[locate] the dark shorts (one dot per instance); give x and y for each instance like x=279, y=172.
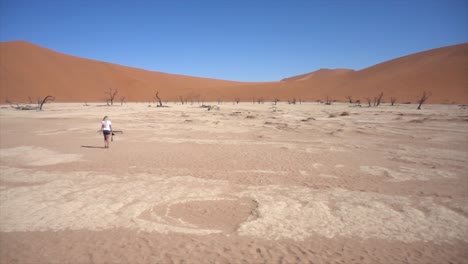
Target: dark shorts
x=106, y=132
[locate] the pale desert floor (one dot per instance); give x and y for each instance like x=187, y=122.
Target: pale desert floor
x=245, y=184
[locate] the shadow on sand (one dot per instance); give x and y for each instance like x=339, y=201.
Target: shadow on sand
x=92, y=147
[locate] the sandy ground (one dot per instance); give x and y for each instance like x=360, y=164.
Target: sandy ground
x=249, y=183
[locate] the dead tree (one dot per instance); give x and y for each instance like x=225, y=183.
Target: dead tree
x=392, y=100
x=350, y=99
x=328, y=101
x=156, y=96
x=46, y=99
x=379, y=99
x=368, y=101
x=181, y=99
x=122, y=100
x=237, y=100
x=276, y=101
x=423, y=99
x=111, y=93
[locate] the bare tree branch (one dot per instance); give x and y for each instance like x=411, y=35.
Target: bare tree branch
x=156, y=96
x=46, y=99
x=379, y=99
x=111, y=93
x=423, y=99
x=368, y=101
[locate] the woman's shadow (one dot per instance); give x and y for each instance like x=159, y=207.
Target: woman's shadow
x=92, y=147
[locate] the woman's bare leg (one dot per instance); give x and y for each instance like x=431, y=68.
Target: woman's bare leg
x=108, y=140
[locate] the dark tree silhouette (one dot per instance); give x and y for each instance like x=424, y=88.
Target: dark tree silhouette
x=392, y=100
x=111, y=93
x=368, y=101
x=423, y=99
x=45, y=100
x=379, y=99
x=156, y=96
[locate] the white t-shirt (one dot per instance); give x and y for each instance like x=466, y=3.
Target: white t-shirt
x=107, y=124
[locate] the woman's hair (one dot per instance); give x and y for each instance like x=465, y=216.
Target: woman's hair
x=104, y=118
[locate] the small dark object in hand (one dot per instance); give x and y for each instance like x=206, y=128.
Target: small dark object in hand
x=113, y=133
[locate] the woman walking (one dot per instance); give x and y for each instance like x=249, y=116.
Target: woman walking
x=106, y=129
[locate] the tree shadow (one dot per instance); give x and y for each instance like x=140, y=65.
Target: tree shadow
x=92, y=147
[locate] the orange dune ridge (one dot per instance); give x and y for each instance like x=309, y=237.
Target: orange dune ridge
x=30, y=71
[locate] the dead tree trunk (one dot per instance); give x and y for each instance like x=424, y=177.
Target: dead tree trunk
x=122, y=100
x=156, y=96
x=423, y=99
x=368, y=101
x=392, y=100
x=379, y=99
x=47, y=98
x=111, y=93
x=181, y=99
x=350, y=100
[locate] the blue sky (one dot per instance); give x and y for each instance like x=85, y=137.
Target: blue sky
x=256, y=40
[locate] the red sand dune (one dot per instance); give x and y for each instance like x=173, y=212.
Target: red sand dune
x=28, y=70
